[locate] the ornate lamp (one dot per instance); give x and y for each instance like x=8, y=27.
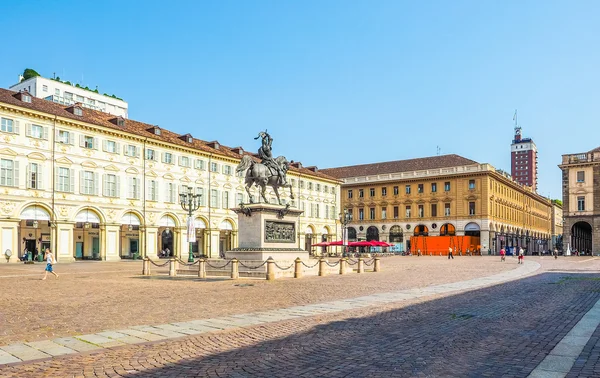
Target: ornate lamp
x=190, y=202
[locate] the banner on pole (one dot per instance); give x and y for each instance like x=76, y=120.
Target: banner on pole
x=191, y=230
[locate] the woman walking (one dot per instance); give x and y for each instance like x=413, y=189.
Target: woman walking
x=49, y=261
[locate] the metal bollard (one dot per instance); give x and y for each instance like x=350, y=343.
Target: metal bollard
x=235, y=271
x=343, y=265
x=172, y=270
x=297, y=268
x=361, y=266
x=270, y=269
x=322, y=271
x=376, y=265
x=146, y=267
x=201, y=268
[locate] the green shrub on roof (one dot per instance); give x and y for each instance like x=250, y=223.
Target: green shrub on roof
x=29, y=73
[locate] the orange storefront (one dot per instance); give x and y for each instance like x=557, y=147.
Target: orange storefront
x=439, y=244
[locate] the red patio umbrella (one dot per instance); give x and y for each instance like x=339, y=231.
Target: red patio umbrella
x=321, y=244
x=378, y=243
x=363, y=243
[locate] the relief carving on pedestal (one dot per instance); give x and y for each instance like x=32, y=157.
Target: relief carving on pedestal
x=280, y=232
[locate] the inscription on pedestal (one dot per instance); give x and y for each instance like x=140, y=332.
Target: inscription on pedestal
x=280, y=232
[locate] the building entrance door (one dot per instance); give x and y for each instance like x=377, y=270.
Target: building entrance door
x=30, y=245
x=96, y=247
x=133, y=246
x=79, y=250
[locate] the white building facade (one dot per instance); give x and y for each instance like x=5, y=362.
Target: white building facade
x=66, y=94
x=89, y=185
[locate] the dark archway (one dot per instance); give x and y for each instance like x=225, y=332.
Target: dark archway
x=372, y=233
x=447, y=230
x=581, y=237
x=167, y=242
x=351, y=234
x=396, y=235
x=421, y=230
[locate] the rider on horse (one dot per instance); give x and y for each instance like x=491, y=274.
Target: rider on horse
x=264, y=152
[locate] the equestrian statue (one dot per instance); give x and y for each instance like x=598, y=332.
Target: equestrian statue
x=269, y=171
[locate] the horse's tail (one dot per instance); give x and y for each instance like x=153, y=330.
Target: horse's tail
x=246, y=163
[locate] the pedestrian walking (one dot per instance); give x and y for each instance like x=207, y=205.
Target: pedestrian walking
x=521, y=258
x=555, y=253
x=502, y=254
x=50, y=260
x=450, y=256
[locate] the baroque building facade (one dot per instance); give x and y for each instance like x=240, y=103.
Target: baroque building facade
x=442, y=196
x=581, y=208
x=91, y=185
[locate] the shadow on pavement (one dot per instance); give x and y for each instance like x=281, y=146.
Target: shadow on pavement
x=504, y=330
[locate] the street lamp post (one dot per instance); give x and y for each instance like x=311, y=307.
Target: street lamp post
x=344, y=219
x=190, y=203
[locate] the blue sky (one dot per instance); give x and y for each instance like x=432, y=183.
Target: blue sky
x=335, y=82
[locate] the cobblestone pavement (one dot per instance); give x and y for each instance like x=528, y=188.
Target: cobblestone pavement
x=94, y=296
x=503, y=330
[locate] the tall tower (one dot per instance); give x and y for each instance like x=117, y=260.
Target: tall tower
x=523, y=159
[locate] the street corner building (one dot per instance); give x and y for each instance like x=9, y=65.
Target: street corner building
x=581, y=210
x=431, y=204
x=94, y=185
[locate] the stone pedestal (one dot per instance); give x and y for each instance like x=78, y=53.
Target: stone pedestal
x=267, y=231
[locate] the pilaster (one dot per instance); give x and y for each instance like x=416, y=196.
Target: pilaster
x=9, y=240
x=109, y=250
x=65, y=246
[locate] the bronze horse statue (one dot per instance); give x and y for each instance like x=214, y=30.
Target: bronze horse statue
x=261, y=175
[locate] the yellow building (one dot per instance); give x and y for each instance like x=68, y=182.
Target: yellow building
x=581, y=208
x=91, y=185
x=442, y=196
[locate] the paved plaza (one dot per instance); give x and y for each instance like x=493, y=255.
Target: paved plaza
x=420, y=316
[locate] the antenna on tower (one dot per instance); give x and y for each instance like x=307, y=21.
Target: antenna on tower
x=438, y=150
x=517, y=127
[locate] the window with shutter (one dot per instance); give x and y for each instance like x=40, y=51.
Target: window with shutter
x=7, y=172
x=6, y=125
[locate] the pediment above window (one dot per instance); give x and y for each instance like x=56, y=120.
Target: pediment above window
x=89, y=164
x=36, y=156
x=63, y=160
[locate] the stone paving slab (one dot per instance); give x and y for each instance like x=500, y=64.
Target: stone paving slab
x=51, y=348
x=158, y=331
x=174, y=328
x=75, y=344
x=122, y=337
x=102, y=341
x=7, y=358
x=146, y=336
x=196, y=326
x=24, y=352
